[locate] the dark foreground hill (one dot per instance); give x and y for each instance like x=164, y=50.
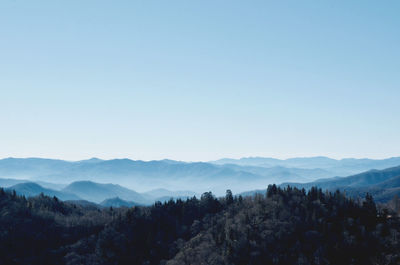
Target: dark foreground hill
x=283, y=226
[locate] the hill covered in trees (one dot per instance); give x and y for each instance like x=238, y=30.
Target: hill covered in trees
x=30, y=189
x=382, y=184
x=98, y=193
x=282, y=226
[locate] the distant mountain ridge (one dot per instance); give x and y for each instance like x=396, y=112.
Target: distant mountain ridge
x=238, y=175
x=382, y=184
x=136, y=174
x=243, y=174
x=314, y=162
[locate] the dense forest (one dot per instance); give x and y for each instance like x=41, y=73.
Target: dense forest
x=282, y=226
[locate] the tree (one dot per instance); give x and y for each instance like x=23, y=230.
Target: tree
x=229, y=197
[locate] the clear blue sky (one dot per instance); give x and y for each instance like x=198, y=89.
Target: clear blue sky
x=199, y=80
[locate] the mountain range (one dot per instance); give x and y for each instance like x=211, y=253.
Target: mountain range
x=30, y=189
x=83, y=192
x=381, y=184
x=97, y=192
x=237, y=174
x=341, y=167
x=91, y=179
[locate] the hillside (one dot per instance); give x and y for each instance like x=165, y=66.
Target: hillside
x=382, y=184
x=97, y=192
x=364, y=179
x=158, y=193
x=30, y=189
x=117, y=202
x=83, y=192
x=340, y=167
x=283, y=226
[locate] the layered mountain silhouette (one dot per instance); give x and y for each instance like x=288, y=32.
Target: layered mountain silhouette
x=382, y=184
x=341, y=167
x=240, y=175
x=90, y=179
x=365, y=179
x=97, y=192
x=92, y=193
x=117, y=202
x=160, y=193
x=30, y=189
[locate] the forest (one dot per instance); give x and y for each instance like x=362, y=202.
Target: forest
x=283, y=226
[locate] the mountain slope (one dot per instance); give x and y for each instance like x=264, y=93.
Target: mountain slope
x=281, y=227
x=117, y=202
x=365, y=179
x=307, y=162
x=97, y=192
x=382, y=184
x=30, y=189
x=341, y=167
x=279, y=174
x=6, y=182
x=158, y=193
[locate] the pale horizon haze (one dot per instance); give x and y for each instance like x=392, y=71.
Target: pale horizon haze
x=199, y=80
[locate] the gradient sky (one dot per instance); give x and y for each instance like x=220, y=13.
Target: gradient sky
x=199, y=80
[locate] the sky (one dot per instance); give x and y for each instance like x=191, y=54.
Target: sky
x=199, y=80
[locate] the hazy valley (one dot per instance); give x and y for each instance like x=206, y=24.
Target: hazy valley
x=143, y=183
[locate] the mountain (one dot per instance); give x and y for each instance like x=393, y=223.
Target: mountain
x=279, y=174
x=92, y=192
x=249, y=161
x=84, y=203
x=5, y=182
x=27, y=167
x=299, y=162
x=340, y=167
x=30, y=189
x=285, y=226
x=53, y=186
x=96, y=192
x=159, y=193
x=237, y=175
x=117, y=202
x=92, y=160
x=366, y=179
x=139, y=175
x=382, y=184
